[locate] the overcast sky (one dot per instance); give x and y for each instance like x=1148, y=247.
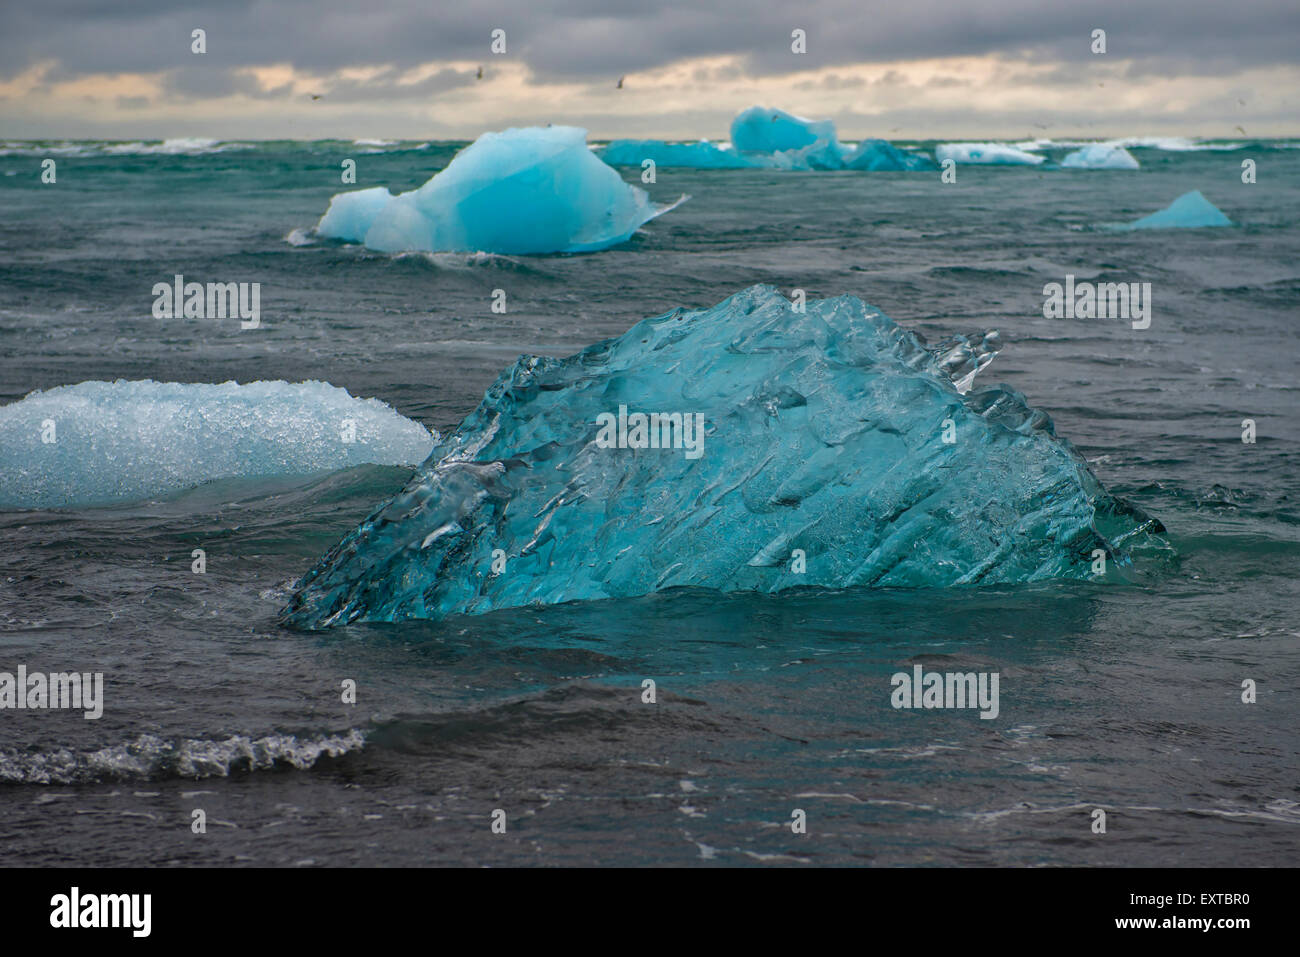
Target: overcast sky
x=409, y=69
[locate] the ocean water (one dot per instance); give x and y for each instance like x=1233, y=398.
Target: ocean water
x=1126, y=698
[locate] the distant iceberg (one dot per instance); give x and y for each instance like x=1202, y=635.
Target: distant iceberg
x=985, y=154
x=808, y=144
x=879, y=156
x=769, y=139
x=532, y=190
x=96, y=443
x=1100, y=156
x=743, y=447
x=1191, y=210
x=701, y=155
x=762, y=130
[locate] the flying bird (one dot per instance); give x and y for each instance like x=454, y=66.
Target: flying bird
x=479, y=75
x=620, y=82
x=316, y=96
x=1241, y=131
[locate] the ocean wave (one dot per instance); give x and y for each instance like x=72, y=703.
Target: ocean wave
x=1173, y=144
x=180, y=146
x=300, y=237
x=151, y=757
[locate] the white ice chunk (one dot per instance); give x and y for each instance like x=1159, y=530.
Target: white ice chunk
x=1100, y=156
x=100, y=442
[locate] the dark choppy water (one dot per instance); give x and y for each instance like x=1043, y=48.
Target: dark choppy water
x=1124, y=698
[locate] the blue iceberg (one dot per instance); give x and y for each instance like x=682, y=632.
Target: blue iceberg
x=747, y=446
x=701, y=155
x=985, y=154
x=879, y=156
x=800, y=143
x=524, y=191
x=765, y=139
x=96, y=443
x=1100, y=156
x=1189, y=211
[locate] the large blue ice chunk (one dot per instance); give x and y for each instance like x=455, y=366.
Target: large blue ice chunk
x=1100, y=156
x=808, y=144
x=95, y=443
x=878, y=156
x=701, y=155
x=831, y=448
x=985, y=154
x=1191, y=210
x=531, y=190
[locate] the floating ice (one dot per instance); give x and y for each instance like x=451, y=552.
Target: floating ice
x=823, y=460
x=807, y=143
x=1100, y=156
x=100, y=442
x=877, y=156
x=822, y=151
x=1190, y=210
x=985, y=154
x=532, y=190
x=701, y=155
x=350, y=214
x=762, y=130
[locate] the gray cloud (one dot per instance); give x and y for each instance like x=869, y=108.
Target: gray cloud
x=568, y=39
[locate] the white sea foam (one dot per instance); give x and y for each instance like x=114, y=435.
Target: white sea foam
x=151, y=757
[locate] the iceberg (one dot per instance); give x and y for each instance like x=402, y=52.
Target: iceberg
x=985, y=154
x=769, y=138
x=1191, y=210
x=1100, y=156
x=807, y=144
x=878, y=156
x=746, y=446
x=762, y=130
x=96, y=443
x=523, y=191
x=701, y=155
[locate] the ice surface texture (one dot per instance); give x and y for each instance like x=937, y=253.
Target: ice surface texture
x=1100, y=156
x=985, y=154
x=122, y=441
x=531, y=190
x=1190, y=210
x=824, y=434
